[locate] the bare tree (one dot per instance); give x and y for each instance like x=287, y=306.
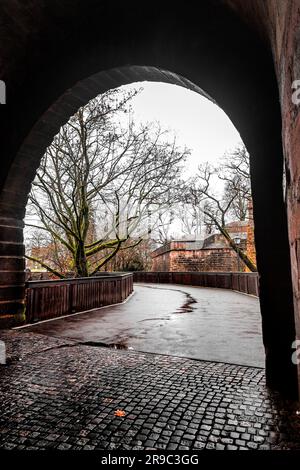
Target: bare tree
x=191, y=218
x=219, y=206
x=97, y=171
x=162, y=233
x=138, y=258
x=235, y=172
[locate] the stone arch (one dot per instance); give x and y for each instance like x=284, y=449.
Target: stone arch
x=215, y=51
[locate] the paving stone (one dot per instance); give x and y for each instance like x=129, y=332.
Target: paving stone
x=240, y=429
x=64, y=446
x=210, y=446
x=199, y=445
x=189, y=437
x=63, y=396
x=226, y=440
x=220, y=446
x=252, y=445
x=240, y=442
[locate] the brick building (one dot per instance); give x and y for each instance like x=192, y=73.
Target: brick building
x=210, y=254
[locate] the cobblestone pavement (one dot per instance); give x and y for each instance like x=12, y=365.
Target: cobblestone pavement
x=58, y=394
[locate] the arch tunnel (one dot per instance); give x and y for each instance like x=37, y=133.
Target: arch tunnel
x=56, y=56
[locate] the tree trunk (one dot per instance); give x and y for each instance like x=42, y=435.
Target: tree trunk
x=81, y=261
x=250, y=265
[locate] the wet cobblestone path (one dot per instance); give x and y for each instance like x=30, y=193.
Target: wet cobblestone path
x=58, y=394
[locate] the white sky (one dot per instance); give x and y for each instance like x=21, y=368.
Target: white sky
x=200, y=125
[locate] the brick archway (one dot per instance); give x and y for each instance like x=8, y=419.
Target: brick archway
x=216, y=51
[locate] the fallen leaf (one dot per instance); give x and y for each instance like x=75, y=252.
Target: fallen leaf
x=120, y=413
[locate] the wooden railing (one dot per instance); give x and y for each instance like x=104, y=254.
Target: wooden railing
x=52, y=299
x=242, y=282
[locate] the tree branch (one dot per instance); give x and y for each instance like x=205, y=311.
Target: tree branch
x=44, y=265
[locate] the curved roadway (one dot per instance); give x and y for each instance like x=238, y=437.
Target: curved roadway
x=200, y=323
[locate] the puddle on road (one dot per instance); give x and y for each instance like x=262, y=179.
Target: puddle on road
x=187, y=306
x=122, y=343
x=100, y=344
x=155, y=319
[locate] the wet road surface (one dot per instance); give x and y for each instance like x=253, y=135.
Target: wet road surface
x=194, y=322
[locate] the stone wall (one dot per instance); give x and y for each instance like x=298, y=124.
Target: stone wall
x=176, y=258
x=161, y=262
x=278, y=22
x=285, y=24
x=215, y=259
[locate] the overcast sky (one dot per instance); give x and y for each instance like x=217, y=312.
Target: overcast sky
x=199, y=124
